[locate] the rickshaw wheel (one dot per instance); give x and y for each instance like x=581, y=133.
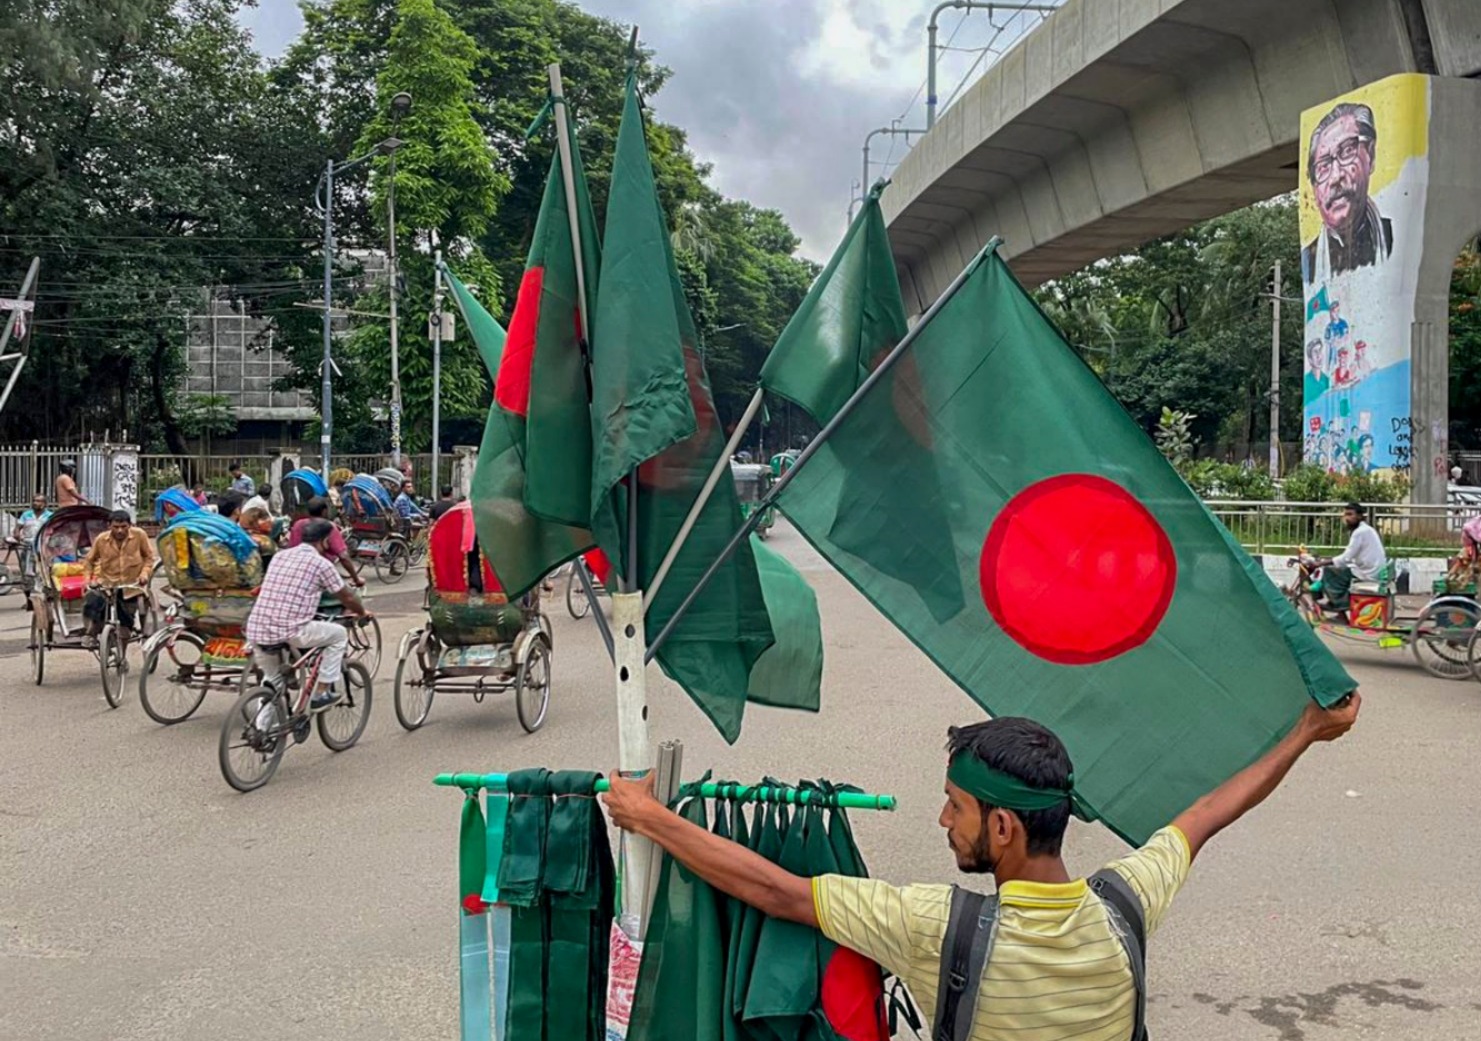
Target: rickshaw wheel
x=1441, y=638
x=577, y=602
x=532, y=686
x=365, y=643
x=392, y=563
x=175, y=698
x=7, y=580
x=113, y=664
x=38, y=644
x=1473, y=652
x=413, y=700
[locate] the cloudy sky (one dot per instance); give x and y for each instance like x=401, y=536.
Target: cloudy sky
x=778, y=94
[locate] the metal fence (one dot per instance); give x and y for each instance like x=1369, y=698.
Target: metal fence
x=158, y=472
x=32, y=469
x=1275, y=528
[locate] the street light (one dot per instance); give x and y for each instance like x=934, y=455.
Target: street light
x=324, y=202
x=400, y=106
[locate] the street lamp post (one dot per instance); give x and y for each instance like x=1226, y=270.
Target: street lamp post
x=324, y=200
x=400, y=105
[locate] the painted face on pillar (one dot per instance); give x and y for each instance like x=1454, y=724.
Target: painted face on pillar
x=966, y=832
x=1341, y=167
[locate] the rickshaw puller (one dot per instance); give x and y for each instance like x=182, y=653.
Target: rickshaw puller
x=288, y=603
x=124, y=556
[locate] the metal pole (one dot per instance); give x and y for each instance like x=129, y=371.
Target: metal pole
x=436, y=371
x=931, y=48
x=721, y=466
x=326, y=408
x=10, y=323
x=568, y=176
x=816, y=443
x=395, y=327
x=1275, y=376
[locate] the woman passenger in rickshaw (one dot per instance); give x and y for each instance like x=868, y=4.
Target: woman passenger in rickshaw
x=258, y=523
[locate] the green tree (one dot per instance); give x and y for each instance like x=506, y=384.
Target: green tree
x=145, y=158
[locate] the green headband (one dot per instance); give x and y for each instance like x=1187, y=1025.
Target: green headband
x=1003, y=790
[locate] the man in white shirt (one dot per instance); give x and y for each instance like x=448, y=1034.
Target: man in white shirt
x=1362, y=560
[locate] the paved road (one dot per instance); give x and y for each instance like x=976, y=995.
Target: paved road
x=140, y=898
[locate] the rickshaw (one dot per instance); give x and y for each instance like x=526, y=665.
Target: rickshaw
x=298, y=487
x=475, y=641
x=372, y=531
x=752, y=482
x=414, y=530
x=213, y=569
x=598, y=567
x=57, y=623
x=1440, y=634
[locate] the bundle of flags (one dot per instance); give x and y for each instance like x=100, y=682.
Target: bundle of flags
x=984, y=491
x=600, y=395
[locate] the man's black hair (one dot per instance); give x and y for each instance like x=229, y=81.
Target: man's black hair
x=318, y=506
x=1033, y=754
x=229, y=503
x=120, y=515
x=1357, y=508
x=447, y=491
x=316, y=531
x=234, y=467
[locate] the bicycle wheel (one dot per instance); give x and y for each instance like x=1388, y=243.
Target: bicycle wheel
x=38, y=644
x=113, y=664
x=1442, y=635
x=365, y=644
x=341, y=726
x=392, y=563
x=252, y=739
x=577, y=602
x=1473, y=652
x=532, y=686
x=173, y=697
x=7, y=580
x=417, y=550
x=412, y=695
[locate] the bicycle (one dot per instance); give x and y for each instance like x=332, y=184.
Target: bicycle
x=259, y=726
x=112, y=645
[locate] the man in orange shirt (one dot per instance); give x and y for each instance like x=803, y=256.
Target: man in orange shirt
x=123, y=557
x=66, y=486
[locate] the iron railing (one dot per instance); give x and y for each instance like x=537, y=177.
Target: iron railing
x=1274, y=528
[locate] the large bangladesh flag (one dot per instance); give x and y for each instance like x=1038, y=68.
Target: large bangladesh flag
x=521, y=546
x=1098, y=595
x=653, y=413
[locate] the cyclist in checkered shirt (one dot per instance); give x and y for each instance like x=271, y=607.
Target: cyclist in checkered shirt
x=289, y=601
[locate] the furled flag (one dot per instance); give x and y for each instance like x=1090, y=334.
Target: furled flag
x=520, y=545
x=652, y=412
x=1102, y=599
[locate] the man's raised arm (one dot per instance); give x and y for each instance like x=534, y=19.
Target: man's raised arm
x=1250, y=787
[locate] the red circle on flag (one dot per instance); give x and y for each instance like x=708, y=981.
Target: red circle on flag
x=1076, y=570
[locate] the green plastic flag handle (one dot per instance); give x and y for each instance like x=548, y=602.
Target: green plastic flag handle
x=740, y=793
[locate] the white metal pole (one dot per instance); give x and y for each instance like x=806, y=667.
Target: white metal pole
x=722, y=465
x=629, y=643
x=1275, y=376
x=395, y=328
x=10, y=324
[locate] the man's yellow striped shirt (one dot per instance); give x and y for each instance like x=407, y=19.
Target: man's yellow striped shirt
x=1057, y=971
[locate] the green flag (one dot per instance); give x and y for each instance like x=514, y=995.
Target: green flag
x=1102, y=599
x=652, y=413
x=851, y=318
x=542, y=379
x=521, y=546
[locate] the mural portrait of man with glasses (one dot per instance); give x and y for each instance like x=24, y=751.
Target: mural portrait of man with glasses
x=1339, y=163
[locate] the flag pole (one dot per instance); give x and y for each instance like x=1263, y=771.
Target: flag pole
x=721, y=466
x=828, y=428
x=627, y=640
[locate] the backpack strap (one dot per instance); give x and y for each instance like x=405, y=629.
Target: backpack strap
x=964, y=951
x=1129, y=921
